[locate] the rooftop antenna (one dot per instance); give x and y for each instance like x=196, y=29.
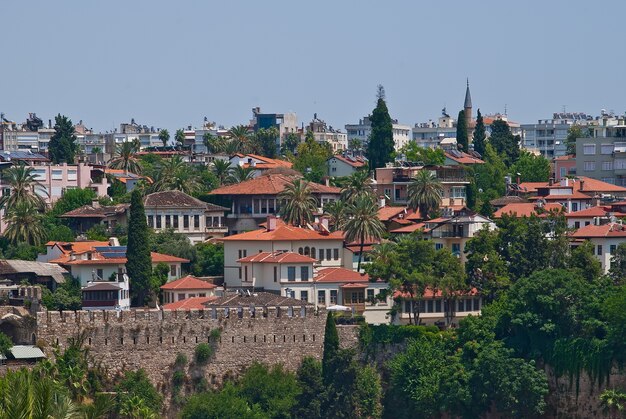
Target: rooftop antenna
x=564, y=108
x=505, y=109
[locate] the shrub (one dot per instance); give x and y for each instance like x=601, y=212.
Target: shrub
x=178, y=378
x=215, y=334
x=181, y=360
x=203, y=353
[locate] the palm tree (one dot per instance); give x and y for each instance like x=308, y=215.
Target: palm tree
x=358, y=184
x=231, y=147
x=221, y=169
x=363, y=223
x=240, y=134
x=297, y=203
x=24, y=224
x=425, y=193
x=22, y=183
x=213, y=144
x=185, y=180
x=125, y=158
x=179, y=137
x=337, y=211
x=164, y=136
x=240, y=174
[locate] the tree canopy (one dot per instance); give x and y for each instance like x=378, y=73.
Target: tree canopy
x=380, y=147
x=62, y=147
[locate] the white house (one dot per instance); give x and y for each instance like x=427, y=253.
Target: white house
x=605, y=239
x=195, y=219
x=341, y=166
x=187, y=287
x=105, y=294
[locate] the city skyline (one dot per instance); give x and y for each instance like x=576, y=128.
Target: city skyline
x=171, y=66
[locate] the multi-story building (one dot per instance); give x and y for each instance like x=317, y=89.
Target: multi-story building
x=562, y=167
x=362, y=131
x=548, y=136
x=324, y=133
x=341, y=166
x=197, y=220
x=454, y=232
x=603, y=155
x=605, y=238
x=286, y=123
x=431, y=134
x=260, y=164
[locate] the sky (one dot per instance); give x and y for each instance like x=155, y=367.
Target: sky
x=169, y=64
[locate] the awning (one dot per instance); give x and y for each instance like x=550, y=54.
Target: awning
x=338, y=308
x=26, y=352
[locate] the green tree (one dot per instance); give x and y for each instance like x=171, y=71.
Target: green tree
x=221, y=169
x=139, y=263
x=309, y=401
x=169, y=242
x=613, y=401
x=73, y=199
x=425, y=193
x=240, y=138
x=290, y=144
x=358, y=184
x=574, y=132
x=462, y=141
x=179, y=137
x=355, y=145
x=617, y=271
x=23, y=184
x=380, y=146
x=164, y=136
x=331, y=347
x=135, y=387
x=504, y=142
x=209, y=259
x=240, y=174
x=480, y=136
x=125, y=159
x=486, y=269
x=273, y=390
x=450, y=280
x=5, y=344
x=213, y=143
x=363, y=224
x=24, y=224
x=426, y=155
x=311, y=159
x=267, y=139
x=531, y=168
x=337, y=210
x=297, y=203
x=489, y=179
x=583, y=259
x=226, y=403
x=367, y=393
x=62, y=146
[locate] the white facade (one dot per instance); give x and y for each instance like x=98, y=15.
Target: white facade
x=361, y=131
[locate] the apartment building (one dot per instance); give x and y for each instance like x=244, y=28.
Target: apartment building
x=324, y=133
x=602, y=156
x=362, y=131
x=548, y=136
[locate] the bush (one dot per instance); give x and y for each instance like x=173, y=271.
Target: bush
x=178, y=378
x=203, y=353
x=215, y=334
x=181, y=360
x=5, y=344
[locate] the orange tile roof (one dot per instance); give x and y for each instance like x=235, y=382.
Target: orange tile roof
x=410, y=228
x=356, y=162
x=574, y=195
x=277, y=257
x=340, y=275
x=270, y=184
x=606, y=230
x=188, y=282
x=526, y=209
x=430, y=293
x=465, y=158
x=284, y=232
x=386, y=213
x=588, y=212
x=565, y=158
x=193, y=303
x=580, y=184
x=531, y=187
x=267, y=163
x=99, y=260
x=77, y=247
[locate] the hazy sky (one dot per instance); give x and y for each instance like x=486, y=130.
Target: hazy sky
x=170, y=63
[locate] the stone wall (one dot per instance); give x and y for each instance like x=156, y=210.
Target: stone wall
x=151, y=339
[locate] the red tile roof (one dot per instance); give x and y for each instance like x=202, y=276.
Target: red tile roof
x=430, y=293
x=387, y=213
x=266, y=162
x=193, y=303
x=284, y=232
x=606, y=230
x=97, y=259
x=270, y=184
x=409, y=229
x=178, y=199
x=188, y=282
x=464, y=158
x=580, y=184
x=356, y=162
x=277, y=257
x=588, y=212
x=531, y=187
x=526, y=209
x=565, y=158
x=340, y=275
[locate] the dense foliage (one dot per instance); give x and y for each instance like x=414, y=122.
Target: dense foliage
x=63, y=146
x=139, y=262
x=380, y=147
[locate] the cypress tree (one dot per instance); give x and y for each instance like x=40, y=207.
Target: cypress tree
x=380, y=147
x=461, y=132
x=138, y=259
x=331, y=347
x=480, y=135
x=62, y=147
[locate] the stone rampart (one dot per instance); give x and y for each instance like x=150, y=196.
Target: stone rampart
x=152, y=338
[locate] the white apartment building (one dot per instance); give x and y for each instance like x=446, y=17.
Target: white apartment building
x=431, y=134
x=361, y=131
x=548, y=136
x=324, y=133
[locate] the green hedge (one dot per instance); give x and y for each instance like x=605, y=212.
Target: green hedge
x=385, y=334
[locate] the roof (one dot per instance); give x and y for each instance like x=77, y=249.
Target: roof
x=565, y=158
x=387, y=213
x=102, y=286
x=178, y=199
x=340, y=275
x=430, y=293
x=270, y=184
x=10, y=267
x=468, y=97
x=532, y=186
x=355, y=162
x=284, y=232
x=588, y=212
x=26, y=352
x=526, y=209
x=89, y=211
x=409, y=229
x=606, y=230
x=188, y=282
x=463, y=158
x=21, y=155
x=265, y=162
x=255, y=299
x=102, y=254
x=123, y=175
x=580, y=183
x=277, y=257
x=502, y=201
x=192, y=303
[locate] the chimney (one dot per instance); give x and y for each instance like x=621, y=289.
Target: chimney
x=271, y=223
x=95, y=203
x=381, y=201
x=324, y=223
x=582, y=185
x=550, y=181
x=565, y=182
x=49, y=123
x=113, y=241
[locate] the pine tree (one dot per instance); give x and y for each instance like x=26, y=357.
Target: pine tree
x=479, y=134
x=331, y=347
x=138, y=259
x=381, y=146
x=461, y=132
x=504, y=142
x=62, y=146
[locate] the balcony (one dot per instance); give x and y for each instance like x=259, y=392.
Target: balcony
x=447, y=234
x=216, y=229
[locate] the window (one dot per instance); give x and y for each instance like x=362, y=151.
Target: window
x=599, y=250
x=336, y=254
x=150, y=221
x=607, y=165
x=437, y=306
x=590, y=166
x=242, y=253
x=57, y=175
x=613, y=248
x=574, y=206
x=328, y=252
x=307, y=251
x=181, y=297
x=168, y=221
x=370, y=294
x=304, y=295
x=175, y=221
x=321, y=297
x=172, y=270
x=196, y=222
x=562, y=171
x=100, y=273
x=158, y=221
x=245, y=269
x=589, y=149
x=620, y=164
x=333, y=296
x=606, y=149
x=456, y=249
x=71, y=175
x=185, y=221
x=321, y=255
x=275, y=273
x=304, y=273
x=438, y=246
x=239, y=273
x=476, y=304
x=313, y=252
x=301, y=251
x=576, y=224
x=291, y=273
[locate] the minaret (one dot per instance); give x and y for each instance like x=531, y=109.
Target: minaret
x=467, y=107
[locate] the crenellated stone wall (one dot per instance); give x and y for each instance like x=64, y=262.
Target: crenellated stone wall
x=151, y=339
